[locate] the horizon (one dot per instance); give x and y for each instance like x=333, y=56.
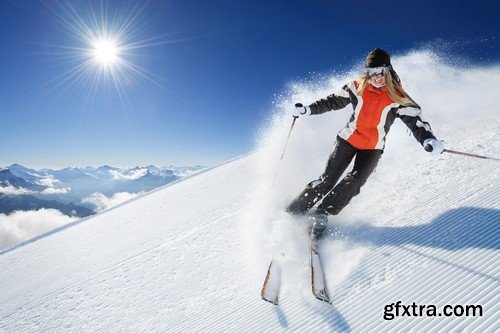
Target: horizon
x=190, y=88
x=102, y=166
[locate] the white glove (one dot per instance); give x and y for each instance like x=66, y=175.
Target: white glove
x=301, y=110
x=433, y=146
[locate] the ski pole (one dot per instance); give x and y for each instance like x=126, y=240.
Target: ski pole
x=470, y=155
x=273, y=295
x=284, y=148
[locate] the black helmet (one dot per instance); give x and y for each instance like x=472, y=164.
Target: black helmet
x=378, y=58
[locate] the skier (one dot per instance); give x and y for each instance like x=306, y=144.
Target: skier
x=377, y=99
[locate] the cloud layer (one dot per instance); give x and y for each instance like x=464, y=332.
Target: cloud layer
x=52, y=190
x=102, y=202
x=48, y=181
x=23, y=225
x=11, y=190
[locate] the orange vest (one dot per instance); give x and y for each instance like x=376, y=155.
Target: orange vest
x=366, y=129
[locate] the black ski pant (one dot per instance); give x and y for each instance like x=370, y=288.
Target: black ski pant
x=335, y=198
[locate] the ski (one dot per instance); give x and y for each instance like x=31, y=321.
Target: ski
x=272, y=283
x=318, y=281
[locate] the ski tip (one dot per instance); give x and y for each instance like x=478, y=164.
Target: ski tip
x=326, y=300
x=322, y=295
x=274, y=302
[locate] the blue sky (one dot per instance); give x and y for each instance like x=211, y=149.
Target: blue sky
x=216, y=70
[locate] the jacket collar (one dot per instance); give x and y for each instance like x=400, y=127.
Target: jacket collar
x=381, y=90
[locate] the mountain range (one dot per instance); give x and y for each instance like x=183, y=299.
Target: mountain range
x=68, y=189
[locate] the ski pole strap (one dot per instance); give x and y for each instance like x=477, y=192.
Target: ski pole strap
x=470, y=155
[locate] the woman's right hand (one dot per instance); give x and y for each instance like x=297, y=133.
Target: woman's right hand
x=301, y=110
x=433, y=146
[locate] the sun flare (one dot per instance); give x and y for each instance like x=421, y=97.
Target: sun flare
x=105, y=52
x=105, y=48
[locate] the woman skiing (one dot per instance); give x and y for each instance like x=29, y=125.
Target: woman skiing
x=377, y=99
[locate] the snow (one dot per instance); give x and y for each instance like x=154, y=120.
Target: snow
x=192, y=256
x=136, y=174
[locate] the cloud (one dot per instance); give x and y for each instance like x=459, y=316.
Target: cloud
x=52, y=190
x=11, y=190
x=49, y=181
x=117, y=175
x=23, y=225
x=102, y=202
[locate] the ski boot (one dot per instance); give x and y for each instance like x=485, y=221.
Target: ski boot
x=318, y=220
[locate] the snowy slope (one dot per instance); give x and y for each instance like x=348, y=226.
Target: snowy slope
x=192, y=256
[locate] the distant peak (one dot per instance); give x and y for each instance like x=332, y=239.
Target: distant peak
x=17, y=166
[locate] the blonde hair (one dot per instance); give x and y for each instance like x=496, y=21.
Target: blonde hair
x=394, y=88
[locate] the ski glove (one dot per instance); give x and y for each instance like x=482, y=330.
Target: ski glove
x=433, y=146
x=301, y=110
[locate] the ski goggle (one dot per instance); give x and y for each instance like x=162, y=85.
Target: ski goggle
x=377, y=71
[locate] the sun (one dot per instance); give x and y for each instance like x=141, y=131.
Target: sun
x=105, y=52
x=103, y=47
